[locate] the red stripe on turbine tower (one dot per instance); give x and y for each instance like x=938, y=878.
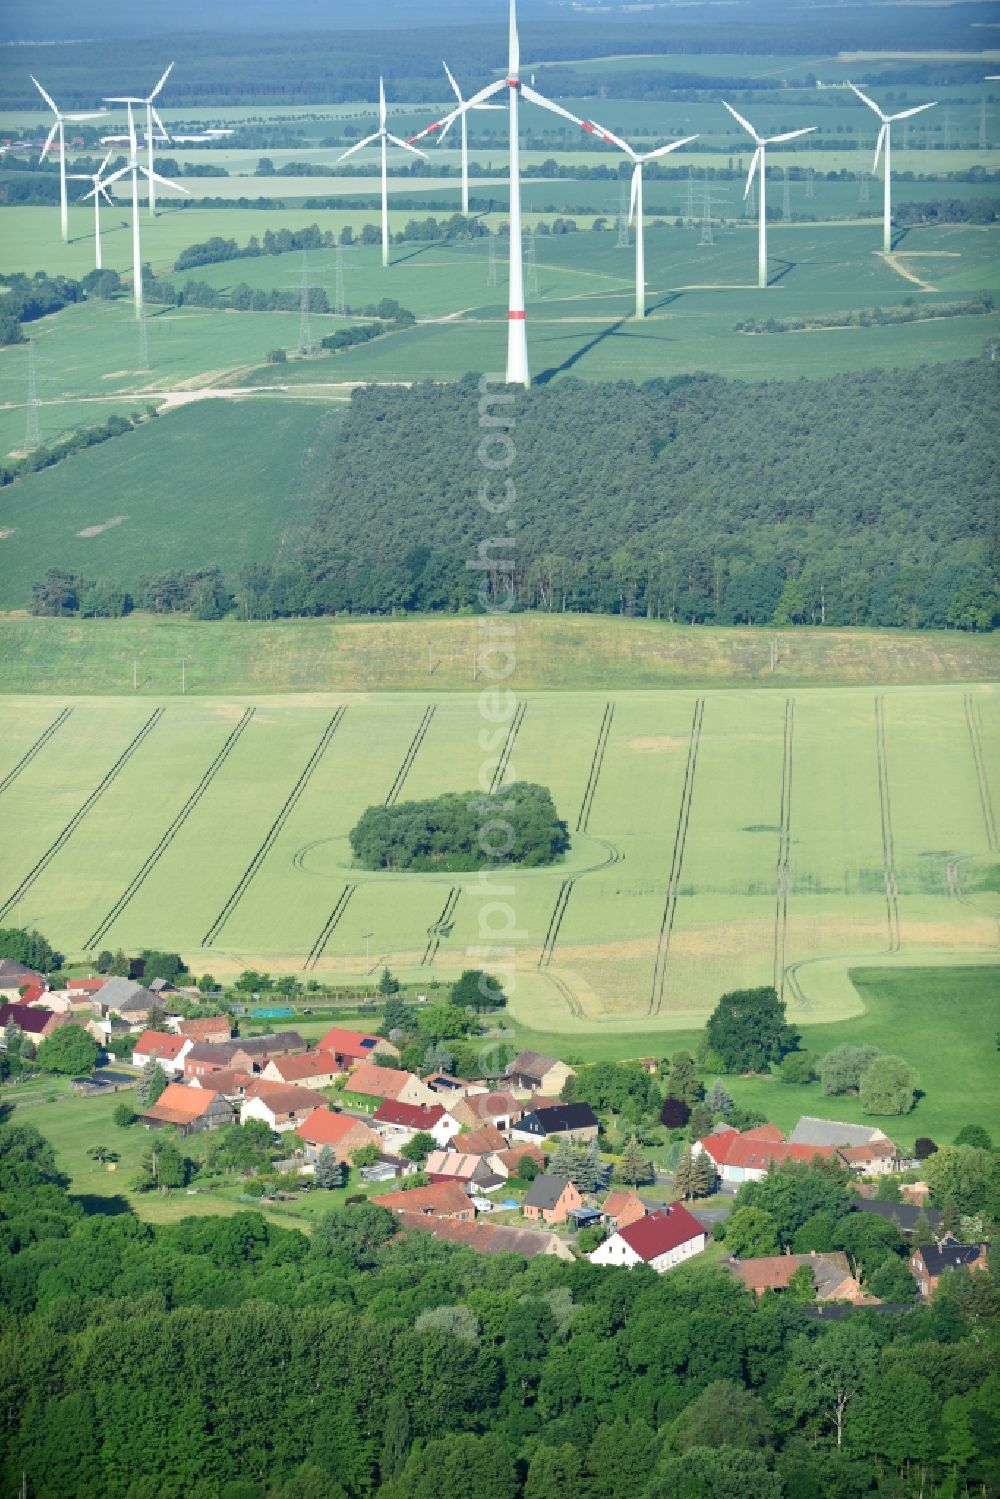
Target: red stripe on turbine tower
x=517, y=316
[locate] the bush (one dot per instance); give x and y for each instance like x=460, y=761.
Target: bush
x=888, y=1087
x=674, y=1113
x=798, y=1067
x=124, y=1115
x=68, y=1050
x=842, y=1069
x=748, y=1031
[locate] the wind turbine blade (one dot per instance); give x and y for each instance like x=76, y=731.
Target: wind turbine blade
x=663, y=150
x=904, y=114
x=753, y=167
x=514, y=44
x=92, y=115
x=121, y=172
x=164, y=181
x=446, y=126
x=406, y=146
x=536, y=98
x=789, y=135
x=636, y=174
x=744, y=122
x=477, y=99
x=487, y=106
x=880, y=143
x=105, y=194
x=100, y=169
x=366, y=142
x=48, y=141
x=865, y=99
x=47, y=97
x=381, y=105
x=162, y=81
x=613, y=140
x=451, y=80
x=160, y=124
x=441, y=125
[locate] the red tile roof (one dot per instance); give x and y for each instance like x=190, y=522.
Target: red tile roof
x=281, y=1098
x=490, y=1106
x=180, y=1102
x=350, y=1043
x=324, y=1127
x=658, y=1232
x=205, y=1029
x=440, y=1199
x=482, y=1141
x=307, y=1064
x=377, y=1082
x=167, y=1046
x=33, y=994
x=408, y=1115
x=758, y=1149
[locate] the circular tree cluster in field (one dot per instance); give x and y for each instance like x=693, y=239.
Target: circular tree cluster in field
x=463, y=830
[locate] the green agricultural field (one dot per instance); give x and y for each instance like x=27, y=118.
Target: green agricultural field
x=168, y=496
x=720, y=838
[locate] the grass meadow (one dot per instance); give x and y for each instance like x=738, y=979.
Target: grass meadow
x=222, y=834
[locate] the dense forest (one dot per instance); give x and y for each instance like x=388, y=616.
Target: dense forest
x=460, y=830
x=226, y=1358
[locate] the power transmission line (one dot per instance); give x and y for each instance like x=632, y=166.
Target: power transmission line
x=32, y=440
x=864, y=191
x=689, y=211
x=706, y=216
x=810, y=182
x=306, y=345
x=786, y=199
x=339, y=299
x=983, y=140
x=623, y=236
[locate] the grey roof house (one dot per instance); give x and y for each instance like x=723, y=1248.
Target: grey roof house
x=811, y=1131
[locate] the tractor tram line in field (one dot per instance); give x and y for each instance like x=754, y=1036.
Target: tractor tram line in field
x=973, y=719
x=152, y=859
x=319, y=946
x=39, y=744
x=270, y=837
x=63, y=838
x=583, y=821
x=441, y=927
x=411, y=755
x=677, y=864
x=504, y=761
x=782, y=876
x=885, y=810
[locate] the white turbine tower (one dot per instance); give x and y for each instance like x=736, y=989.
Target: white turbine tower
x=759, y=165
x=444, y=126
x=635, y=210
x=518, y=372
x=383, y=136
x=134, y=167
x=151, y=115
x=59, y=128
x=885, y=142
x=98, y=190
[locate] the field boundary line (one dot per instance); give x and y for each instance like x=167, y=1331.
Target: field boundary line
x=973, y=719
x=411, y=755
x=30, y=754
x=273, y=831
x=508, y=749
x=329, y=925
x=441, y=927
x=63, y=838
x=148, y=864
x=677, y=863
x=885, y=814
x=596, y=764
x=784, y=850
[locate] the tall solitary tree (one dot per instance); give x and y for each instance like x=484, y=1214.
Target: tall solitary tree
x=748, y=1030
x=151, y=1083
x=633, y=1166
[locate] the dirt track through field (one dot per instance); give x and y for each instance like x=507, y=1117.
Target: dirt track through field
x=677, y=864
x=885, y=811
x=39, y=744
x=784, y=851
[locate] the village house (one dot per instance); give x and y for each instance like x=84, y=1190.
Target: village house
x=342, y=1133
x=876, y=1158
x=501, y=1109
x=33, y=1020
x=905, y=1215
x=508, y=1162
x=622, y=1207
x=813, y=1131
x=210, y=1028
x=368, y=1086
x=124, y=997
x=232, y=1085
x=661, y=1240
x=243, y=1054
x=280, y=1107
x=439, y=1200
x=533, y=1072
x=16, y=976
x=831, y=1274
x=750, y=1156
x=482, y=1141
x=164, y=1048
x=550, y=1199
x=452, y=1088
x=570, y=1121
x=470, y=1170
x=351, y=1048
x=85, y=988
x=929, y=1262
x=489, y=1238
x=401, y=1121
x=190, y=1110
x=309, y=1069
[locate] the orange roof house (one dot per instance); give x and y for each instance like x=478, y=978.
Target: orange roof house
x=371, y=1085
x=309, y=1069
x=188, y=1109
x=439, y=1200
x=749, y=1156
x=342, y=1133
x=351, y=1048
x=622, y=1207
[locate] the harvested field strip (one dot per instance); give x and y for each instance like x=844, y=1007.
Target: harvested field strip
x=442, y=926
x=677, y=864
x=410, y=756
x=885, y=809
x=318, y=947
x=590, y=790
x=784, y=850
x=63, y=838
x=150, y=861
x=508, y=749
x=39, y=744
x=272, y=833
x=973, y=718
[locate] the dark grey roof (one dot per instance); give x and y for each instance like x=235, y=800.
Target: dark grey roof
x=124, y=995
x=903, y=1214
x=11, y=969
x=948, y=1255
x=811, y=1131
x=545, y=1191
x=560, y=1119
x=270, y=1045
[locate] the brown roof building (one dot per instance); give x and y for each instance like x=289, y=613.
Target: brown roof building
x=342, y=1133
x=209, y=1028
x=439, y=1200
x=189, y=1109
x=831, y=1273
x=488, y=1238
x=622, y=1207
x=502, y=1110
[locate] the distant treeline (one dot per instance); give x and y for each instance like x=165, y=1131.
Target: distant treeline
x=29, y=297
x=871, y=317
x=867, y=499
x=85, y=437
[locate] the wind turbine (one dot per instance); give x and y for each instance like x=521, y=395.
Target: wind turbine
x=759, y=165
x=97, y=191
x=134, y=167
x=885, y=139
x=443, y=127
x=151, y=115
x=635, y=208
x=58, y=128
x=518, y=372
x=383, y=136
